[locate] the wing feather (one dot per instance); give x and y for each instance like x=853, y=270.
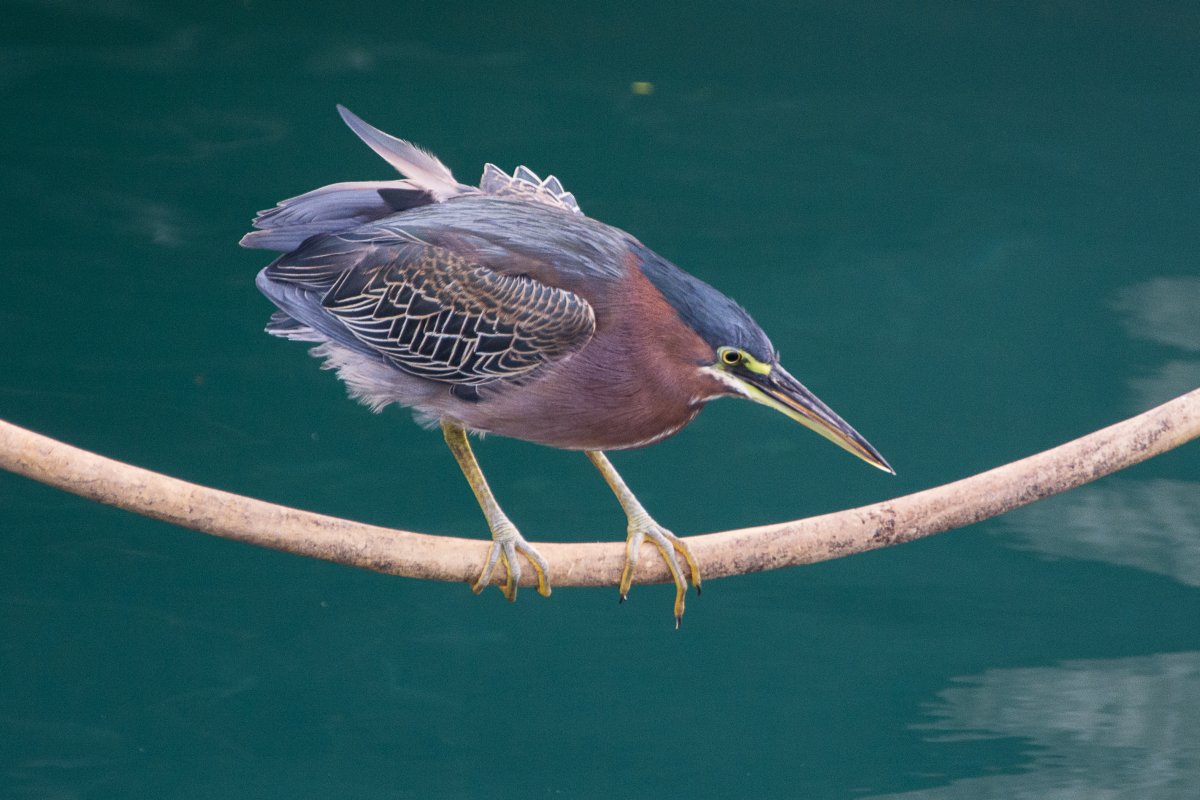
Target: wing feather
x=427, y=310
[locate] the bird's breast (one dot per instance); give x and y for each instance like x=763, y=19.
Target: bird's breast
x=636, y=382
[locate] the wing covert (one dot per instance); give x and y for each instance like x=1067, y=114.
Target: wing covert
x=430, y=312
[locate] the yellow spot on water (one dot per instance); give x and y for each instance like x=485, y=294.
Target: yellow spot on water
x=642, y=87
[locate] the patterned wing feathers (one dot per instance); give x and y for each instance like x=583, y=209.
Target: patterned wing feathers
x=435, y=314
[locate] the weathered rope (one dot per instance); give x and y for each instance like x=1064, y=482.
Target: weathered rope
x=784, y=544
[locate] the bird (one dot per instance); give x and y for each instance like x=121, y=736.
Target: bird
x=503, y=309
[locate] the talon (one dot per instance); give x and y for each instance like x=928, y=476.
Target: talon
x=485, y=577
x=513, y=579
x=667, y=544
x=632, y=545
x=539, y=564
x=680, y=596
x=505, y=547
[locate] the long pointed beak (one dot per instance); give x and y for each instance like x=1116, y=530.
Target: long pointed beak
x=780, y=391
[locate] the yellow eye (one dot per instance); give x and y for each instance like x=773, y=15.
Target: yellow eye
x=731, y=357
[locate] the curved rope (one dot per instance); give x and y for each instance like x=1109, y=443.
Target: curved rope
x=784, y=544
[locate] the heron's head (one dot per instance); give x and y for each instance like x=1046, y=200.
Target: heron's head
x=744, y=363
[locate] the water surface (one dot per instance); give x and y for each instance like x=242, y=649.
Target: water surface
x=973, y=231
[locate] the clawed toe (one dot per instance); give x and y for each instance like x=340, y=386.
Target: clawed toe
x=506, y=548
x=667, y=544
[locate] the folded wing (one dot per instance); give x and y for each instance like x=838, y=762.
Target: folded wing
x=422, y=308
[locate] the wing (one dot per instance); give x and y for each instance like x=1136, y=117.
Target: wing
x=425, y=309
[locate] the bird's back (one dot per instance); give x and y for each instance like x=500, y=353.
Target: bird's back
x=505, y=219
x=515, y=236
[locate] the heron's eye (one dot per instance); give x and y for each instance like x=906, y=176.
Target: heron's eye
x=731, y=357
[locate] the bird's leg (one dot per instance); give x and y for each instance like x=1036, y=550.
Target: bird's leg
x=642, y=526
x=507, y=542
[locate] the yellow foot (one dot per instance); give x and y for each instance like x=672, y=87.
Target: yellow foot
x=507, y=543
x=667, y=543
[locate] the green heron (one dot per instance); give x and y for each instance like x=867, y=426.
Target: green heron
x=504, y=309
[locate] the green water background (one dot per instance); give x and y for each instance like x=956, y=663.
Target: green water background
x=973, y=229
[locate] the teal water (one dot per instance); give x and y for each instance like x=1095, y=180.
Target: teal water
x=974, y=231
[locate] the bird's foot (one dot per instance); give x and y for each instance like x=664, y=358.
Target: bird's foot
x=667, y=543
x=507, y=544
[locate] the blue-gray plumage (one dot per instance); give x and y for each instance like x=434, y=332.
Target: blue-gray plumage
x=504, y=309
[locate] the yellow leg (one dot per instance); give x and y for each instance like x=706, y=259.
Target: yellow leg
x=507, y=542
x=642, y=527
